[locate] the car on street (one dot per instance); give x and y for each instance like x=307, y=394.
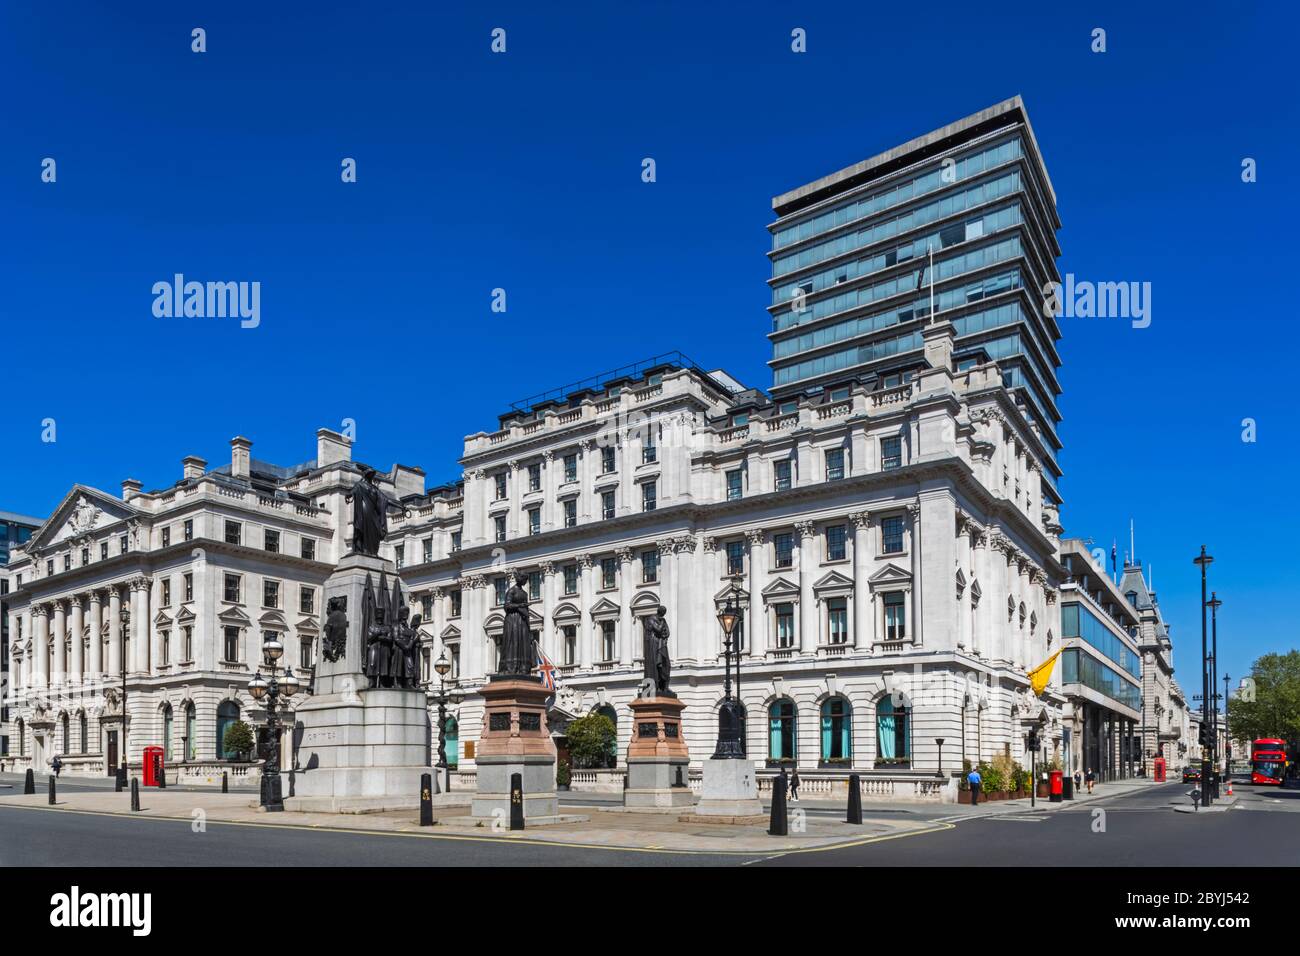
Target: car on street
x=1191, y=774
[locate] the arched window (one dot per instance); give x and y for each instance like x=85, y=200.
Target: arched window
x=22, y=739
x=893, y=732
x=191, y=737
x=65, y=736
x=227, y=714
x=453, y=742
x=167, y=733
x=782, y=731
x=611, y=758
x=83, y=728
x=837, y=731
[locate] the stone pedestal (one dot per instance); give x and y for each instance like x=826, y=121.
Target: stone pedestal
x=515, y=739
x=658, y=760
x=730, y=790
x=362, y=749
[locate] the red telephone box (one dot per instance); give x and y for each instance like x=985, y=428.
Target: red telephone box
x=153, y=766
x=1055, y=788
x=1159, y=773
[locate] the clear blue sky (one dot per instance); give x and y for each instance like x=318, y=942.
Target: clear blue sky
x=522, y=171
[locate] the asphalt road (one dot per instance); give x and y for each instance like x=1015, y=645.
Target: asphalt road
x=1137, y=829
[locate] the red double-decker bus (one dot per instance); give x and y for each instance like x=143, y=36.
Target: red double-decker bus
x=1268, y=761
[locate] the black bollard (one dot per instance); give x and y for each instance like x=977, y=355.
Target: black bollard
x=29, y=784
x=52, y=800
x=426, y=800
x=162, y=778
x=225, y=783
x=855, y=800
x=135, y=794
x=117, y=782
x=780, y=823
x=516, y=801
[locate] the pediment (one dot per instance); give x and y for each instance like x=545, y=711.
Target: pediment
x=450, y=633
x=780, y=588
x=834, y=581
x=273, y=619
x=727, y=592
x=567, y=611
x=604, y=607
x=185, y=614
x=234, y=615
x=306, y=624
x=162, y=617
x=645, y=601
x=83, y=511
x=890, y=574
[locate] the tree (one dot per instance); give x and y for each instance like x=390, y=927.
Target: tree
x=238, y=738
x=1275, y=710
x=592, y=739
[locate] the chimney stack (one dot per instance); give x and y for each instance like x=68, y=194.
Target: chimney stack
x=192, y=466
x=130, y=488
x=241, y=457
x=331, y=447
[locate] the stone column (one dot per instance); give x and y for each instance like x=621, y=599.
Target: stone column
x=154, y=594
x=550, y=517
x=918, y=607
x=862, y=618
x=60, y=675
x=676, y=587
x=586, y=635
x=587, y=503
x=139, y=626
x=115, y=662
x=755, y=632
x=626, y=623
x=514, y=524
x=803, y=557
x=548, y=595
x=96, y=666
x=78, y=625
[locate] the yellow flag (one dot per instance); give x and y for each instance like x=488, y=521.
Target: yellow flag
x=1041, y=674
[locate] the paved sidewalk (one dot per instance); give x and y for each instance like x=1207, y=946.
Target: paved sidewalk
x=602, y=828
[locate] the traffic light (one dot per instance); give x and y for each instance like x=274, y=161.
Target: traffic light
x=1204, y=735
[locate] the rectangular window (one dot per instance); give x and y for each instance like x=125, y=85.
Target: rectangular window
x=835, y=536
x=187, y=645
x=85, y=557
x=649, y=453
x=837, y=620
x=67, y=562
x=783, y=550
x=607, y=644
x=834, y=464
x=649, y=566
x=272, y=541
x=571, y=467
x=231, y=589
x=307, y=600
x=534, y=585
x=500, y=484
x=498, y=591
x=187, y=530
x=891, y=535
x=103, y=550
x=304, y=653
x=570, y=579
x=166, y=592
x=426, y=606
x=570, y=655
x=785, y=625
x=124, y=544
x=455, y=541
x=231, y=650
x=166, y=536
x=735, y=557
x=499, y=523
x=534, y=520
x=608, y=572
x=270, y=593
x=309, y=548
x=607, y=461
x=781, y=474
x=455, y=603
x=895, y=616
x=735, y=485
x=891, y=453
x=649, y=496
x=535, y=476
x=399, y=555
x=189, y=588
x=571, y=513
x=607, y=504
x=165, y=639
x=233, y=532
x=428, y=550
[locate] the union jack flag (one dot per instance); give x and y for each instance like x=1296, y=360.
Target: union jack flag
x=547, y=671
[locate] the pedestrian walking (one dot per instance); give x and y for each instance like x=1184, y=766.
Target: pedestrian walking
x=794, y=784
x=1078, y=782
x=57, y=764
x=1089, y=778
x=975, y=781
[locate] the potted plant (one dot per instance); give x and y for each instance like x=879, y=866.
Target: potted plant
x=562, y=776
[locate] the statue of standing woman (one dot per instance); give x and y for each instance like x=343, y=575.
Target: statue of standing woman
x=517, y=656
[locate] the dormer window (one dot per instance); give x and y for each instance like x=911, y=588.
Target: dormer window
x=740, y=418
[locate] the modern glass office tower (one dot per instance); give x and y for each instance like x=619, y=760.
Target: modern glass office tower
x=851, y=282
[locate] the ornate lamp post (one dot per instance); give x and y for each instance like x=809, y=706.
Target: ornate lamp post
x=730, y=714
x=123, y=623
x=1215, y=604
x=271, y=690
x=1207, y=750
x=444, y=697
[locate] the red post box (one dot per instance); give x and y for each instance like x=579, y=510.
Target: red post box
x=1056, y=787
x=153, y=766
x=1159, y=772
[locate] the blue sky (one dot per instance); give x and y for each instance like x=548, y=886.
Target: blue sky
x=522, y=171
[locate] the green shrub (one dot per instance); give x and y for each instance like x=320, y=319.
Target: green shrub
x=562, y=775
x=592, y=739
x=993, y=780
x=238, y=738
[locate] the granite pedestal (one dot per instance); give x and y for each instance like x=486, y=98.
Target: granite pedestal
x=515, y=739
x=658, y=760
x=730, y=789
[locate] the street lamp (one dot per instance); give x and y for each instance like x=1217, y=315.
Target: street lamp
x=123, y=623
x=939, y=773
x=444, y=697
x=260, y=688
x=730, y=714
x=1204, y=561
x=1215, y=604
